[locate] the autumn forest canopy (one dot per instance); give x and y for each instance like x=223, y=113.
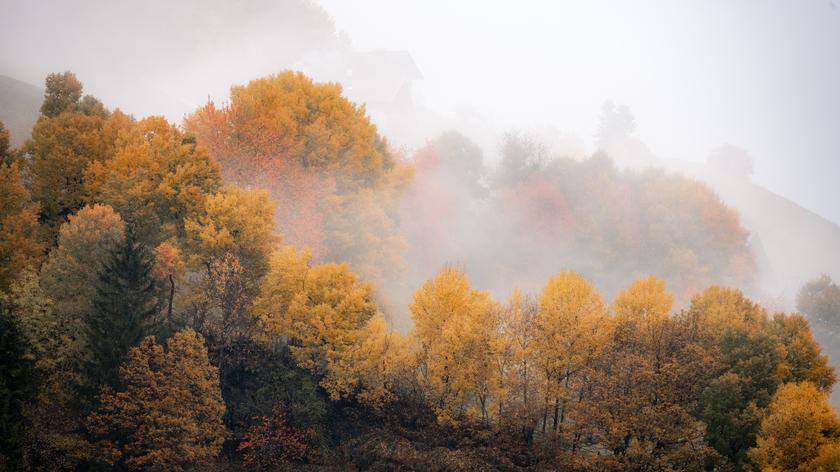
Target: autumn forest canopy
x=271, y=285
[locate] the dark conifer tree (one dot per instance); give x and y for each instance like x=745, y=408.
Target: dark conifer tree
x=16, y=382
x=124, y=308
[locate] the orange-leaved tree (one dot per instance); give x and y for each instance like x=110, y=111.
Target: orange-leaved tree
x=315, y=151
x=20, y=244
x=168, y=415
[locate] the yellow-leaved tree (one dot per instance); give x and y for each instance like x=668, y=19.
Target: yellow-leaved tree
x=571, y=326
x=156, y=179
x=62, y=147
x=236, y=221
x=801, y=355
x=323, y=311
x=378, y=368
x=717, y=309
x=228, y=246
x=519, y=368
x=457, y=328
x=801, y=431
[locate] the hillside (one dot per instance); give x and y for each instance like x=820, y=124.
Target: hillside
x=19, y=104
x=798, y=243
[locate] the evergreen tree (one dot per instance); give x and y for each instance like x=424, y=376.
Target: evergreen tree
x=16, y=375
x=124, y=308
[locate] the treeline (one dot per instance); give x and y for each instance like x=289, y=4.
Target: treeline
x=516, y=223
x=152, y=319
x=397, y=216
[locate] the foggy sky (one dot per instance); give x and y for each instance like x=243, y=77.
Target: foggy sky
x=763, y=75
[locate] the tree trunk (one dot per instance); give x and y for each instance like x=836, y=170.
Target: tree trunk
x=171, y=297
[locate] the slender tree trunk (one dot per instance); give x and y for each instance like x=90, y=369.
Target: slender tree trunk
x=545, y=409
x=563, y=406
x=525, y=387
x=171, y=297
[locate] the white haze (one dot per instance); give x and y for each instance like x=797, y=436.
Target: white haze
x=762, y=75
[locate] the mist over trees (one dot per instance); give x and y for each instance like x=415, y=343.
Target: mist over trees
x=271, y=285
x=515, y=224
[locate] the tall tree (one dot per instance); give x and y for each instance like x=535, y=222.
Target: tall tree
x=20, y=242
x=457, y=329
x=156, y=179
x=168, y=414
x=571, y=326
x=63, y=93
x=642, y=394
x=732, y=404
x=322, y=159
x=71, y=273
x=70, y=136
x=321, y=309
x=124, y=308
x=17, y=376
x=519, y=365
x=229, y=245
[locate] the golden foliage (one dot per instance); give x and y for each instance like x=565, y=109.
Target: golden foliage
x=235, y=220
x=801, y=355
x=645, y=302
x=717, y=309
x=800, y=429
x=321, y=158
x=288, y=117
x=457, y=331
x=376, y=367
x=321, y=309
x=155, y=179
x=60, y=152
x=20, y=244
x=571, y=326
x=169, y=414
x=517, y=362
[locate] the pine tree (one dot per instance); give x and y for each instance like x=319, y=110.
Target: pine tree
x=16, y=381
x=124, y=308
